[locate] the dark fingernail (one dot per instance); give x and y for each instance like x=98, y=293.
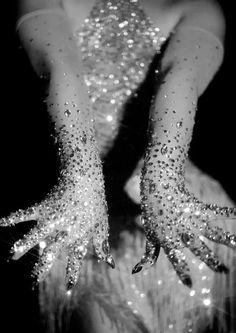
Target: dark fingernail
x=137, y=268
x=222, y=269
x=186, y=238
x=111, y=262
x=69, y=286
x=187, y=281
x=105, y=246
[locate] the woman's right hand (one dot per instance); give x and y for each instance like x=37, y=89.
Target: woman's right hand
x=72, y=214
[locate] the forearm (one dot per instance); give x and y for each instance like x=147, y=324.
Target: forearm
x=52, y=51
x=70, y=112
x=172, y=118
x=190, y=64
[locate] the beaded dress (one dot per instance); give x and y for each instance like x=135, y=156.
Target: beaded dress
x=118, y=43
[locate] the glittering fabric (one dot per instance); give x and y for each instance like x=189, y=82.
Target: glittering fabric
x=118, y=42
x=153, y=301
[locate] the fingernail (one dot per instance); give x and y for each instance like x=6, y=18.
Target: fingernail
x=105, y=246
x=187, y=281
x=186, y=238
x=69, y=286
x=137, y=268
x=111, y=262
x=222, y=269
x=16, y=255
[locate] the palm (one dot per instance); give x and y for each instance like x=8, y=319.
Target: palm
x=173, y=219
x=67, y=220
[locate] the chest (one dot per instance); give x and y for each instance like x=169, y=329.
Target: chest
x=118, y=41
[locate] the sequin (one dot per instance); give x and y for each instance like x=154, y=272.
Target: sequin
x=118, y=31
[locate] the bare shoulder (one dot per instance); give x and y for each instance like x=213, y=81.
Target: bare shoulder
x=27, y=6
x=205, y=14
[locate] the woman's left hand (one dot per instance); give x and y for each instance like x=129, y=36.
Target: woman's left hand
x=173, y=219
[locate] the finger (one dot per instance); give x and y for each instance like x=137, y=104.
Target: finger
x=215, y=212
x=21, y=215
x=101, y=244
x=53, y=246
x=102, y=250
x=31, y=239
x=178, y=260
x=149, y=258
x=218, y=235
x=76, y=254
x=204, y=253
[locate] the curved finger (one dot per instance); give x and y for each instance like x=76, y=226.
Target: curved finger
x=102, y=250
x=215, y=212
x=218, y=235
x=76, y=254
x=20, y=215
x=52, y=247
x=31, y=239
x=178, y=260
x=149, y=258
x=204, y=253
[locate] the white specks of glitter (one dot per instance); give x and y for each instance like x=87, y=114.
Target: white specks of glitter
x=164, y=149
x=68, y=293
x=49, y=257
x=169, y=197
x=109, y=118
x=201, y=265
x=67, y=113
x=187, y=210
x=192, y=292
x=123, y=24
x=197, y=213
x=42, y=245
x=205, y=291
x=97, y=42
x=19, y=249
x=179, y=124
x=207, y=301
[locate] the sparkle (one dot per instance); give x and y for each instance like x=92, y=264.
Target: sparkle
x=205, y=291
x=109, y=28
x=69, y=293
x=201, y=266
x=192, y=292
x=207, y=301
x=109, y=118
x=42, y=245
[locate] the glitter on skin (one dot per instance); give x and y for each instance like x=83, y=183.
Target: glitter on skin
x=111, y=26
x=172, y=217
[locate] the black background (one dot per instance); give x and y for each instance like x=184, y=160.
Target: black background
x=28, y=162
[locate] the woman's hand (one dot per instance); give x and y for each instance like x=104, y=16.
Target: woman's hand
x=72, y=215
x=173, y=219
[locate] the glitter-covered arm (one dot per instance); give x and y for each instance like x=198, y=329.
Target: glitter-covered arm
x=74, y=212
x=172, y=217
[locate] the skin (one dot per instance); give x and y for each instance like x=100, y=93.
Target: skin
x=74, y=212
